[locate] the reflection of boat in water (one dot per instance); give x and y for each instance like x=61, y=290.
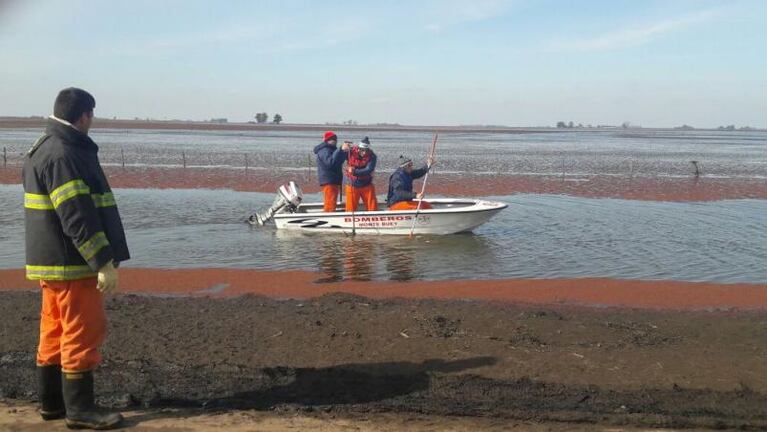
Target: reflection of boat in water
x=448, y=216
x=394, y=258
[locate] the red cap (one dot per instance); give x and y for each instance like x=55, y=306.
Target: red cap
x=329, y=135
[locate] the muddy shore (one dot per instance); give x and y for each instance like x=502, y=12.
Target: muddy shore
x=352, y=356
x=647, y=189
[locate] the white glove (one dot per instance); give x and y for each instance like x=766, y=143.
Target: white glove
x=107, y=278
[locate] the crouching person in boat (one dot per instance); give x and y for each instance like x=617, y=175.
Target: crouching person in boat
x=401, y=195
x=359, y=177
x=330, y=163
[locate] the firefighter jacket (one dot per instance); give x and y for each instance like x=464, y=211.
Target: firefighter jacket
x=73, y=227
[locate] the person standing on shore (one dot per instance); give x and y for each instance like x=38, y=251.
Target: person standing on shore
x=74, y=244
x=330, y=162
x=359, y=177
x=401, y=195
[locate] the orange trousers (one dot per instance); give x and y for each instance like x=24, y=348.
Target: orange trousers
x=330, y=197
x=366, y=193
x=73, y=325
x=410, y=205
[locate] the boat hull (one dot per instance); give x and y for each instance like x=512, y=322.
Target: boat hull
x=449, y=216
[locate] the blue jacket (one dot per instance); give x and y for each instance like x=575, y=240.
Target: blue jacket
x=364, y=176
x=401, y=185
x=330, y=162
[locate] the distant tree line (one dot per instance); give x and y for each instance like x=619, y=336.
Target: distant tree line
x=570, y=125
x=732, y=128
x=263, y=117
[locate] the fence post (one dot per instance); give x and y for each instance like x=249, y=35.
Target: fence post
x=183, y=158
x=246, y=163
x=5, y=158
x=563, y=169
x=697, y=170
x=122, y=156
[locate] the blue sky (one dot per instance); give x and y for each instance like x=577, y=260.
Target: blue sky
x=516, y=63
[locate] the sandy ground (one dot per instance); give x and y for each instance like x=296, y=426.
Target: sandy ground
x=20, y=417
x=17, y=417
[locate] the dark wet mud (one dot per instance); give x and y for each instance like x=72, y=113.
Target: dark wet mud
x=353, y=356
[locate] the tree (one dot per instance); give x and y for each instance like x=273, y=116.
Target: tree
x=570, y=125
x=561, y=124
x=262, y=117
x=277, y=119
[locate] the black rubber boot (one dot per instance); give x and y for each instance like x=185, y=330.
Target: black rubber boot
x=49, y=388
x=82, y=412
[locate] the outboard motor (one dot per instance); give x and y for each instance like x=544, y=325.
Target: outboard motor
x=288, y=197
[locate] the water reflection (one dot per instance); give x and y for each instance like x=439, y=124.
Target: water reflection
x=345, y=260
x=364, y=258
x=359, y=256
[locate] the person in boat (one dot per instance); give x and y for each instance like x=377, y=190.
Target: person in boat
x=330, y=163
x=401, y=195
x=359, y=177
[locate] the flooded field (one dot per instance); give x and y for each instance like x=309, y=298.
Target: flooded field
x=538, y=236
x=606, y=152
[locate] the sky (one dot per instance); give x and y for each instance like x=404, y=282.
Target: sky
x=428, y=62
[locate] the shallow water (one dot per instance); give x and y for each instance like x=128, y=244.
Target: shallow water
x=634, y=152
x=538, y=236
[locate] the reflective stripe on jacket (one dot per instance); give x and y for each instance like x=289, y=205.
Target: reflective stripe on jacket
x=72, y=223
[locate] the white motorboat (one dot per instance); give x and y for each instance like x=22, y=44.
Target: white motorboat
x=448, y=216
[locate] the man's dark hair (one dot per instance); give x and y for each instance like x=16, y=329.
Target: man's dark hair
x=72, y=103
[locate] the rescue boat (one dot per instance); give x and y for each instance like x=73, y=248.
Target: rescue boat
x=447, y=216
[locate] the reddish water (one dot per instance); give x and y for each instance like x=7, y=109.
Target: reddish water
x=301, y=285
x=647, y=189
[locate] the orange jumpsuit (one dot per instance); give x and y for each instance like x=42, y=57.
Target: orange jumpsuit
x=359, y=180
x=365, y=193
x=410, y=205
x=73, y=325
x=330, y=197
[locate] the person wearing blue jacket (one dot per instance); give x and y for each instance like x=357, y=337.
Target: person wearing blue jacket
x=359, y=177
x=401, y=195
x=330, y=162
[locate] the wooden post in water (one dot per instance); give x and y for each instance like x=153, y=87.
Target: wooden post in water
x=246, y=164
x=563, y=169
x=122, y=157
x=697, y=170
x=183, y=159
x=5, y=158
